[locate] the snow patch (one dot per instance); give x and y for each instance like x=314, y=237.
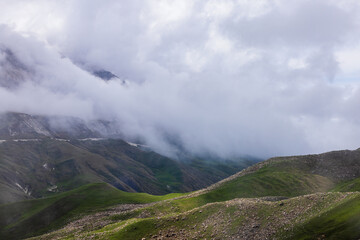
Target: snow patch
x=61, y=139
x=26, y=140
x=132, y=144
x=37, y=127
x=25, y=189
x=53, y=188
x=91, y=139
x=141, y=146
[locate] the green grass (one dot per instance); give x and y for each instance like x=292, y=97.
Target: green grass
x=37, y=216
x=348, y=186
x=168, y=173
x=270, y=181
x=135, y=230
x=341, y=222
x=329, y=215
x=267, y=181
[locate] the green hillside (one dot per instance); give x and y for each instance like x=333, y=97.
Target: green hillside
x=248, y=218
x=301, y=197
x=37, y=216
x=340, y=222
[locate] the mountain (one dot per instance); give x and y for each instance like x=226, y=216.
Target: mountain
x=15, y=125
x=39, y=158
x=105, y=75
x=298, y=197
x=37, y=168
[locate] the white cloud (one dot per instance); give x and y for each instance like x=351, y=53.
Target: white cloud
x=348, y=59
x=297, y=63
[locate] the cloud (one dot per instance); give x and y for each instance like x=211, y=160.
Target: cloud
x=224, y=77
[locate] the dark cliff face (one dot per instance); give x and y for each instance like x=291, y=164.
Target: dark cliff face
x=105, y=75
x=108, y=76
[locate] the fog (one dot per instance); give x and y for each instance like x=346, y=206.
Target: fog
x=262, y=78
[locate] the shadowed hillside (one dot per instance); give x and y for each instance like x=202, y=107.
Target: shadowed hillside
x=33, y=169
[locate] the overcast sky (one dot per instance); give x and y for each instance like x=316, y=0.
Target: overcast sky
x=265, y=78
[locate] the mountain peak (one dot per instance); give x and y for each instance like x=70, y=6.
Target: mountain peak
x=105, y=75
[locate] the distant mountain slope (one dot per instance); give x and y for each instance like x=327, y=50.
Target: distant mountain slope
x=25, y=126
x=285, y=176
x=37, y=168
x=282, y=198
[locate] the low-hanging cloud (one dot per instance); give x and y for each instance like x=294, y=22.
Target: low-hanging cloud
x=225, y=77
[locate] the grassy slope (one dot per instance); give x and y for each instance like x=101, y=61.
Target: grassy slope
x=264, y=182
x=348, y=186
x=230, y=219
x=341, y=222
x=268, y=181
x=37, y=216
x=247, y=218
x=279, y=177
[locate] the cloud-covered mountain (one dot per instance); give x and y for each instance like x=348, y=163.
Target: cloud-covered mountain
x=24, y=126
x=226, y=78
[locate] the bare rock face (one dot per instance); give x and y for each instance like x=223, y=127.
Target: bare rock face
x=105, y=75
